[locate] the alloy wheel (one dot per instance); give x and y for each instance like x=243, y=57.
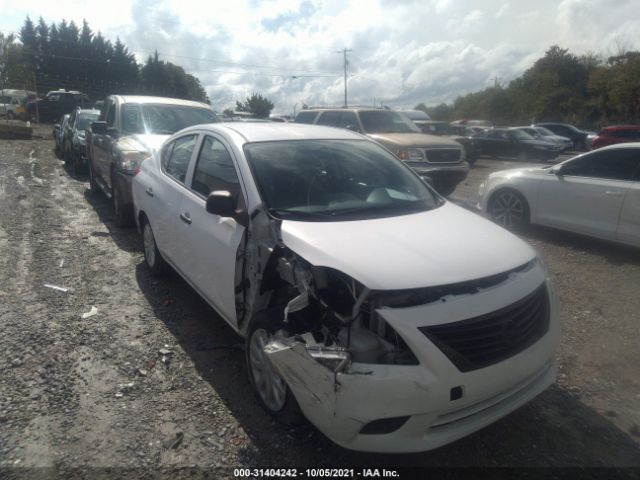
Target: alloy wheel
x=508, y=209
x=270, y=386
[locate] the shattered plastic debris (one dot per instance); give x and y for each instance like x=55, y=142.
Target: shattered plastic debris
x=124, y=388
x=90, y=313
x=55, y=287
x=142, y=372
x=165, y=355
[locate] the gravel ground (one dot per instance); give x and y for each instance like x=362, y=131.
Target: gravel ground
x=155, y=382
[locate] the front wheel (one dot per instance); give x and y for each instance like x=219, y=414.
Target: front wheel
x=509, y=209
x=270, y=388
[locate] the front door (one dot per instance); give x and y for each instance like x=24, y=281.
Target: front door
x=587, y=197
x=211, y=243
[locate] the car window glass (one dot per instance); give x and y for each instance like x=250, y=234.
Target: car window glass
x=165, y=154
x=619, y=164
x=348, y=119
x=103, y=111
x=306, y=117
x=215, y=170
x=180, y=155
x=329, y=118
x=111, y=115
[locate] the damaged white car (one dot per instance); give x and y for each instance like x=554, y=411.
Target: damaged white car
x=362, y=304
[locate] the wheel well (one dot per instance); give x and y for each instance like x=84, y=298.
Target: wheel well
x=142, y=217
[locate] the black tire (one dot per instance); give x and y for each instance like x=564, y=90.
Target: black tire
x=93, y=185
x=152, y=256
x=285, y=410
x=509, y=208
x=123, y=214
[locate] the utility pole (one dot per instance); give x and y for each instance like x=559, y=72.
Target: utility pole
x=344, y=52
x=495, y=79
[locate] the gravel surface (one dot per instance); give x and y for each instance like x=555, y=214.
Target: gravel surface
x=155, y=382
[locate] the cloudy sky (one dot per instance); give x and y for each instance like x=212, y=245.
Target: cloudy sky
x=402, y=51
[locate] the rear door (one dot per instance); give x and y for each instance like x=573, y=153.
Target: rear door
x=210, y=243
x=588, y=196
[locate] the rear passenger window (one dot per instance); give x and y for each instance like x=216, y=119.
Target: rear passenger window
x=329, y=118
x=215, y=170
x=178, y=162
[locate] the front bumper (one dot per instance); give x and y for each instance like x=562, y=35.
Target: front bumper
x=342, y=404
x=440, y=175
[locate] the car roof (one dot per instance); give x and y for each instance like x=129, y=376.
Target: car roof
x=162, y=100
x=273, y=131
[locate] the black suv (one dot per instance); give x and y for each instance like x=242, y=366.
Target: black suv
x=56, y=104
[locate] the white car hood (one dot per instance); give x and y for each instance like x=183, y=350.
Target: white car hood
x=446, y=245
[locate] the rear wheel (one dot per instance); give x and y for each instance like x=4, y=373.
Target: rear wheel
x=270, y=388
x=509, y=209
x=152, y=257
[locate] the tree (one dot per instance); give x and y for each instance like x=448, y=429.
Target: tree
x=256, y=104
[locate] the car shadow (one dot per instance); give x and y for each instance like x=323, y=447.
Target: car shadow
x=614, y=253
x=556, y=429
x=126, y=238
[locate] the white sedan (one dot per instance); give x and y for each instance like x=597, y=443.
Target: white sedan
x=352, y=281
x=595, y=194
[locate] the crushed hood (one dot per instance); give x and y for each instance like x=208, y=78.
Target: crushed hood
x=446, y=245
x=411, y=140
x=142, y=142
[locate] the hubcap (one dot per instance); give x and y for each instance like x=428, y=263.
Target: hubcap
x=507, y=209
x=269, y=385
x=149, y=245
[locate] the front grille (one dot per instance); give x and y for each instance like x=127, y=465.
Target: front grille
x=482, y=341
x=442, y=155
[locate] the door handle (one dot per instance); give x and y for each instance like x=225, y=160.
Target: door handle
x=185, y=217
x=149, y=191
x=613, y=193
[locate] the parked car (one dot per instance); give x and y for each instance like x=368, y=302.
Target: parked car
x=55, y=104
x=617, y=134
x=416, y=115
x=360, y=300
x=10, y=101
x=127, y=132
x=596, y=194
x=456, y=133
x=577, y=136
x=513, y=142
x=439, y=161
x=74, y=138
x=58, y=130
x=541, y=133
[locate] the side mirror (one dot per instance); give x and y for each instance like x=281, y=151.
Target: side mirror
x=221, y=203
x=99, y=127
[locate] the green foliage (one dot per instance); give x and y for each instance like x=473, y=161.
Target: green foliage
x=257, y=105
x=65, y=56
x=559, y=86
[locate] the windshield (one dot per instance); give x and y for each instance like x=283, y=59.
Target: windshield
x=332, y=180
x=163, y=119
x=385, y=121
x=85, y=119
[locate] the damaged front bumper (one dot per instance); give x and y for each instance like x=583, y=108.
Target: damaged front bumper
x=411, y=408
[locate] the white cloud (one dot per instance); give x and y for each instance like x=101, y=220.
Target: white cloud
x=404, y=51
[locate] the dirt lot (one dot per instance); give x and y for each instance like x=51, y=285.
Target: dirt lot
x=82, y=395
